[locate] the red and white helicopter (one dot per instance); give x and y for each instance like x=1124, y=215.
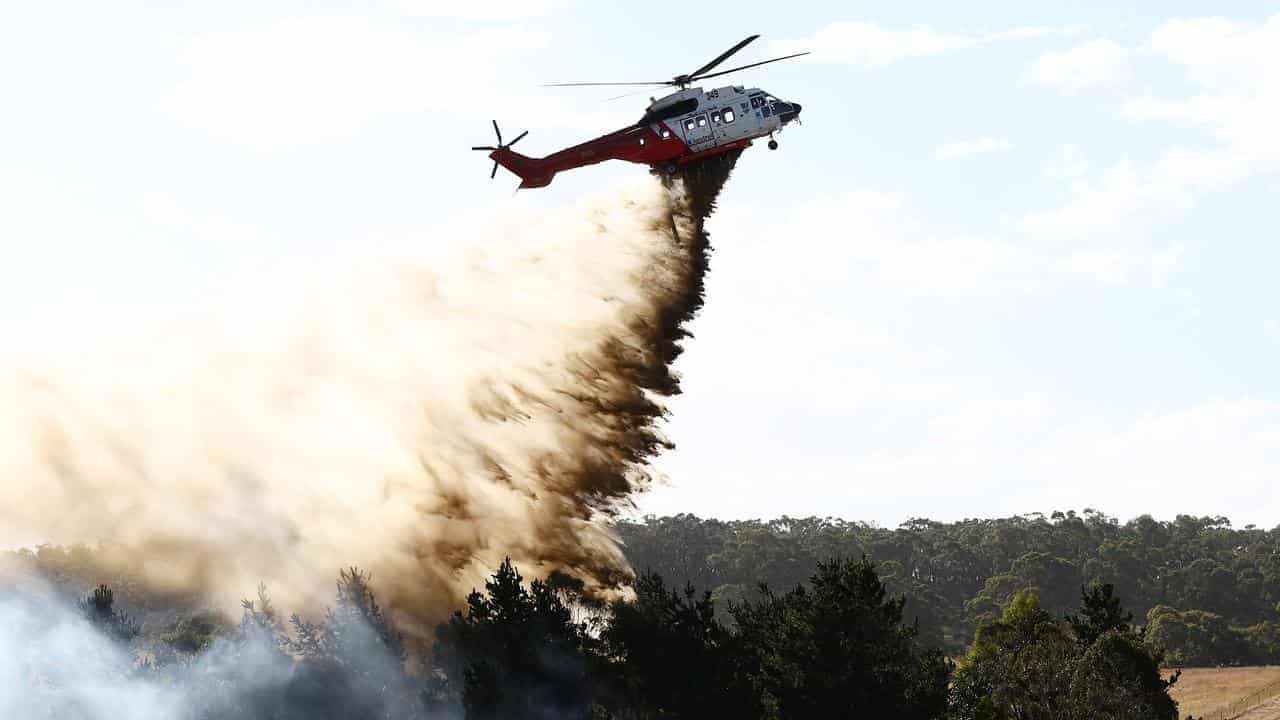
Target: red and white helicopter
x=683, y=127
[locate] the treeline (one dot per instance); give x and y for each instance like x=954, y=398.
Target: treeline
x=1210, y=593
x=836, y=646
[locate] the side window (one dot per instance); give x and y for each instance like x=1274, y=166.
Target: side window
x=745, y=107
x=690, y=124
x=665, y=133
x=715, y=116
x=728, y=115
x=702, y=121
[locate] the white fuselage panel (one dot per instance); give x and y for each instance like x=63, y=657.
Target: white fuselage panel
x=724, y=115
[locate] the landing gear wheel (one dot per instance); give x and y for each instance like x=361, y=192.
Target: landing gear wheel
x=773, y=144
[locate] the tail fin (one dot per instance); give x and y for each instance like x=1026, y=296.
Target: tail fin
x=533, y=172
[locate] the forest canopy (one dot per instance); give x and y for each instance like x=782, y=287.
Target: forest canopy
x=1210, y=591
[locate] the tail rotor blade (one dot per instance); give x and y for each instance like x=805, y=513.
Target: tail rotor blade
x=500, y=148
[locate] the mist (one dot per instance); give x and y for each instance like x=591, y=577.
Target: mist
x=420, y=420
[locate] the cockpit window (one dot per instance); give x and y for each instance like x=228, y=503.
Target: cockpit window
x=756, y=101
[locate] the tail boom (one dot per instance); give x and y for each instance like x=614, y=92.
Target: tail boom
x=533, y=172
x=638, y=144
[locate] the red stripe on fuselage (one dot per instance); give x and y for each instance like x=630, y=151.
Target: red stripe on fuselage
x=637, y=144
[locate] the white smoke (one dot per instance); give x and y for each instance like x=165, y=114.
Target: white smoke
x=57, y=663
x=53, y=664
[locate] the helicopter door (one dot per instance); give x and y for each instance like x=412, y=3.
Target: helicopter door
x=698, y=133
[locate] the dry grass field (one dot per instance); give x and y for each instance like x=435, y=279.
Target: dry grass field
x=1201, y=690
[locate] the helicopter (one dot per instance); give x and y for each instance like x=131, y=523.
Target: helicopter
x=685, y=126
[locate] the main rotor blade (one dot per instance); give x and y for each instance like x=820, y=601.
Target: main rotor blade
x=744, y=67
x=633, y=93
x=494, y=174
x=513, y=142
x=593, y=84
x=723, y=56
x=499, y=132
x=483, y=147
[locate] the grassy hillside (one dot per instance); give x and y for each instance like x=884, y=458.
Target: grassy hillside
x=1202, y=690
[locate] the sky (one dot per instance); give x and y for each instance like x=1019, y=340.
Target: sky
x=1019, y=257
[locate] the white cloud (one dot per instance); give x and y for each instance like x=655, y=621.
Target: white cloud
x=877, y=239
x=491, y=10
x=1068, y=164
x=880, y=241
x=1097, y=63
x=969, y=148
x=307, y=80
x=1111, y=216
x=870, y=45
x=951, y=444
x=1105, y=225
x=1218, y=52
x=1236, y=70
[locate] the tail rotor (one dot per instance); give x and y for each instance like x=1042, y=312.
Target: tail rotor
x=500, y=146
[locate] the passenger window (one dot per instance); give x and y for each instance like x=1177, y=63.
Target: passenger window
x=715, y=116
x=665, y=133
x=690, y=124
x=702, y=121
x=728, y=115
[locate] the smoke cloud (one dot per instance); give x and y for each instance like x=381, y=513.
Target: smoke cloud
x=420, y=421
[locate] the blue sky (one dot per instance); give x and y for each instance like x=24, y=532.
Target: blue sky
x=1018, y=257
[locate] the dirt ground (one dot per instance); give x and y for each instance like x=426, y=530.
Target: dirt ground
x=1201, y=690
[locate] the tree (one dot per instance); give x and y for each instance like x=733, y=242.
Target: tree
x=1016, y=668
x=1100, y=612
x=1031, y=666
x=351, y=661
x=1194, y=637
x=838, y=649
x=98, y=609
x=671, y=657
x=516, y=651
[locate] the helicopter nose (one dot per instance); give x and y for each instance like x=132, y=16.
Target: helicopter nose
x=791, y=113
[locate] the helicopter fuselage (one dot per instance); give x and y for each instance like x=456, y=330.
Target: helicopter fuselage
x=677, y=129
